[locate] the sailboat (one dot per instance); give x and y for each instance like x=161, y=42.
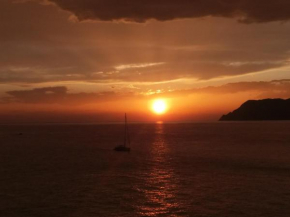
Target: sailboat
x=125, y=147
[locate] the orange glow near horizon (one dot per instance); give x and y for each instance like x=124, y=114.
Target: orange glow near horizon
x=159, y=106
x=209, y=106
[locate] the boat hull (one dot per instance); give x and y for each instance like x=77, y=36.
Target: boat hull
x=122, y=148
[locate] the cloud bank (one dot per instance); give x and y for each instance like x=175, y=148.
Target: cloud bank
x=60, y=94
x=247, y=11
x=55, y=95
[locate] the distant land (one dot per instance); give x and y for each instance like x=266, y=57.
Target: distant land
x=258, y=110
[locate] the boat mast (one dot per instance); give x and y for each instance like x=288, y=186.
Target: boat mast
x=125, y=136
x=128, y=135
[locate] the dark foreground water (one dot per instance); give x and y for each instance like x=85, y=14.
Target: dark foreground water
x=211, y=169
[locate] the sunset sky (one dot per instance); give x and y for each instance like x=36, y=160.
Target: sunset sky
x=94, y=60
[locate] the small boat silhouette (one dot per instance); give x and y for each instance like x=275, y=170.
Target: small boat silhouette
x=124, y=147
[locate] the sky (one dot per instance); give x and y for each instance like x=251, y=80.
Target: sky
x=94, y=60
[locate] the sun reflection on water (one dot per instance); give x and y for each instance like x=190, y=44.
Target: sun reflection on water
x=160, y=187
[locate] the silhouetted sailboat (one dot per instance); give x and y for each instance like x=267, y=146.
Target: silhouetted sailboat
x=126, y=139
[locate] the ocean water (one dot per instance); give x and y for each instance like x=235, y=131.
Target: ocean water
x=194, y=169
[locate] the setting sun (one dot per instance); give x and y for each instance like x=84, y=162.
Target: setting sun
x=159, y=106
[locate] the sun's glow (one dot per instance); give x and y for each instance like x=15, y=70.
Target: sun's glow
x=159, y=106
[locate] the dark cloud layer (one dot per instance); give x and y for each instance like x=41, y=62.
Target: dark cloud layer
x=55, y=95
x=262, y=89
x=60, y=95
x=139, y=11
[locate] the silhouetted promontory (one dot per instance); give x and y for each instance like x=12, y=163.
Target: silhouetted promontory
x=257, y=110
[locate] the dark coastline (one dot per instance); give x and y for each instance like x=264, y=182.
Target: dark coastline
x=260, y=110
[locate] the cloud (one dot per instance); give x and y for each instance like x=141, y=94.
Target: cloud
x=56, y=50
x=247, y=11
x=38, y=95
x=60, y=94
x=198, y=69
x=259, y=89
x=57, y=95
x=265, y=89
x=136, y=66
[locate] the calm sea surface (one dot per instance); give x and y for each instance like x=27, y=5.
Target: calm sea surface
x=199, y=169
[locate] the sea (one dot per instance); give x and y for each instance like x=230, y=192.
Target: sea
x=219, y=169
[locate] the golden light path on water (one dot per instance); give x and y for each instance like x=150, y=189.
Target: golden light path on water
x=161, y=183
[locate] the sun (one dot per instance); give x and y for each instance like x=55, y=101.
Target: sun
x=159, y=106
